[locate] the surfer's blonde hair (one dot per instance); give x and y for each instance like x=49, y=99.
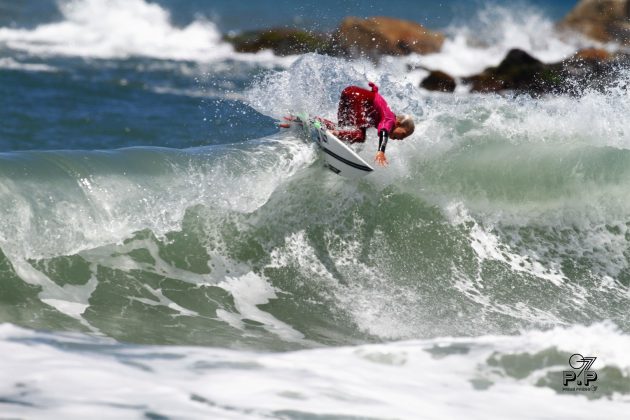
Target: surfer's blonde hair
x=405, y=121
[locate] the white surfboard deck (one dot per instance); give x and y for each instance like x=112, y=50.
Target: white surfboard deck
x=339, y=157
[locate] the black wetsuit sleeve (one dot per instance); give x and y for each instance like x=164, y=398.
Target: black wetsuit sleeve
x=383, y=136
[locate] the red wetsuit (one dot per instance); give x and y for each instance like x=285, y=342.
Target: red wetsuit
x=360, y=109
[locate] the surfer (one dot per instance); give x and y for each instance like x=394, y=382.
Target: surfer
x=360, y=109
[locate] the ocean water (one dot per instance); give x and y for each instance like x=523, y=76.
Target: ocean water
x=167, y=252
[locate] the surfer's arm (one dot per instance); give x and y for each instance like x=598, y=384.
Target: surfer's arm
x=380, y=158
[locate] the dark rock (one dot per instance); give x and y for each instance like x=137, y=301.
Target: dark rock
x=518, y=71
x=516, y=59
x=377, y=36
x=439, y=81
x=602, y=20
x=281, y=41
x=521, y=73
x=590, y=69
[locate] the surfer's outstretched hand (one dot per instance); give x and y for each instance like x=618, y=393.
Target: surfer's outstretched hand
x=381, y=159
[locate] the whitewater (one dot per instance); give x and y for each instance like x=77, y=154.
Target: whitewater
x=167, y=252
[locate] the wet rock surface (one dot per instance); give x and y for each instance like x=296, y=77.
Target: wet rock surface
x=601, y=20
x=385, y=36
x=439, y=81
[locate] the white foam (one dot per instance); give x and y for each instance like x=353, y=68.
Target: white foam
x=71, y=300
x=11, y=64
x=248, y=292
x=378, y=305
x=70, y=377
x=485, y=39
x=164, y=301
x=487, y=246
x=73, y=309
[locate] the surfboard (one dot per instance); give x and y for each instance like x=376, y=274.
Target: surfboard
x=337, y=155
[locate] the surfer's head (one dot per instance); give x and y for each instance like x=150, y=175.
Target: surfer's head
x=404, y=127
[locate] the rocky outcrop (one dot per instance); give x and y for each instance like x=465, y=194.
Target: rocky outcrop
x=602, y=20
x=521, y=73
x=590, y=69
x=281, y=41
x=377, y=36
x=593, y=54
x=439, y=81
x=518, y=71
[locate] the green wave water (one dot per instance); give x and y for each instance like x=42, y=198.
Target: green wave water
x=258, y=246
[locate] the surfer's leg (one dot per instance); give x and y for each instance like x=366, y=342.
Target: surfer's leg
x=351, y=107
x=289, y=120
x=344, y=111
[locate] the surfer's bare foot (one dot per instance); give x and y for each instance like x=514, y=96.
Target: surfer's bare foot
x=381, y=159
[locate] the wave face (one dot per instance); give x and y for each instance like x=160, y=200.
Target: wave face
x=157, y=227
x=492, y=218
